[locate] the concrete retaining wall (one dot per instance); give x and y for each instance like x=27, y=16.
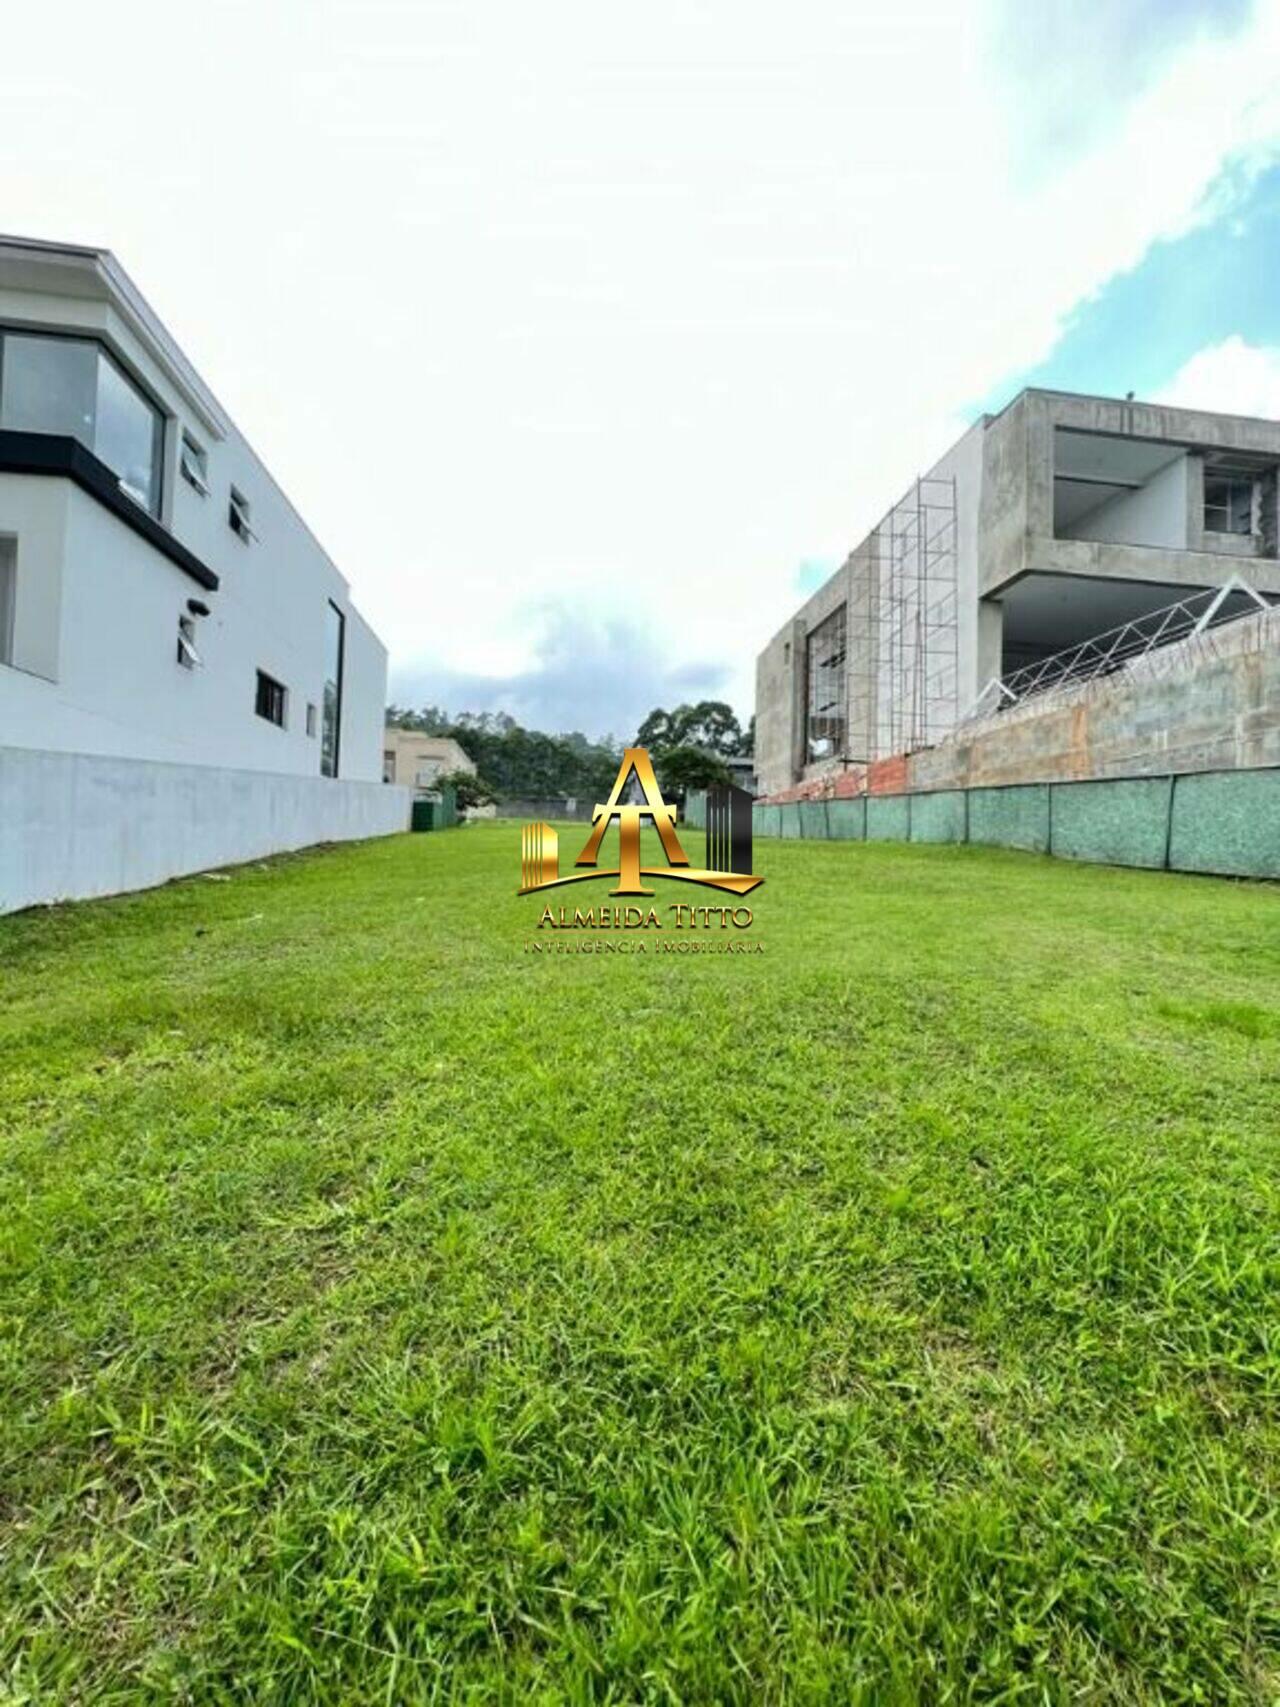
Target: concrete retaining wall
x=74, y=824
x=1205, y=704
x=1210, y=702
x=1222, y=822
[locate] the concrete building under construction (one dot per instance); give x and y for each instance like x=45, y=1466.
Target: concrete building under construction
x=1060, y=543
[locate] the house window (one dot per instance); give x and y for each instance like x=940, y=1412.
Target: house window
x=1228, y=503
x=8, y=597
x=825, y=733
x=331, y=725
x=270, y=699
x=188, y=657
x=193, y=460
x=71, y=387
x=311, y=720
x=238, y=516
x=389, y=765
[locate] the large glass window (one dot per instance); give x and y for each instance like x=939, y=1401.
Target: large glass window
x=334, y=635
x=127, y=435
x=1228, y=503
x=8, y=597
x=825, y=733
x=50, y=386
x=71, y=386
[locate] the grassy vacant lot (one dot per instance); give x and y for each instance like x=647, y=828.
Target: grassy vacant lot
x=391, y=1315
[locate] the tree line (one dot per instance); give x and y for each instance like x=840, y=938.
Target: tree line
x=688, y=745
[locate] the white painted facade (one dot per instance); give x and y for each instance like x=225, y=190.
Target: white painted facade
x=91, y=662
x=94, y=663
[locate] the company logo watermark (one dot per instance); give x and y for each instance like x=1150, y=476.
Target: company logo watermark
x=636, y=800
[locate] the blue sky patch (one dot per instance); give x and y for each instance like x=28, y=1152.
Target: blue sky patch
x=1187, y=293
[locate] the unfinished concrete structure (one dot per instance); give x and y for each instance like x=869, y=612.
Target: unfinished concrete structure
x=1058, y=519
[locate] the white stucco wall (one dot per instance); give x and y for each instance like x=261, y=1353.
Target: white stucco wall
x=98, y=606
x=73, y=825
x=1152, y=514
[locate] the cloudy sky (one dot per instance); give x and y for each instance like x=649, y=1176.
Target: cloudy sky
x=587, y=336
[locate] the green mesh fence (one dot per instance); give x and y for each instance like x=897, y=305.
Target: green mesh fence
x=846, y=820
x=813, y=820
x=1227, y=821
x=1011, y=817
x=1122, y=821
x=889, y=818
x=1224, y=822
x=938, y=817
x=766, y=820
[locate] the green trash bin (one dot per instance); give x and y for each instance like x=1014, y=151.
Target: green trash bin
x=438, y=811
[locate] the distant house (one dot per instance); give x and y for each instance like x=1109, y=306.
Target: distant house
x=418, y=761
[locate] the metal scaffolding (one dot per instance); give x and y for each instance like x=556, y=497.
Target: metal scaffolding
x=902, y=646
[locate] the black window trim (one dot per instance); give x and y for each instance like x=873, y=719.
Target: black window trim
x=275, y=687
x=240, y=516
x=28, y=329
x=339, y=684
x=59, y=455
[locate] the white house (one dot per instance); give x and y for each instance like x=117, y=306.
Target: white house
x=184, y=680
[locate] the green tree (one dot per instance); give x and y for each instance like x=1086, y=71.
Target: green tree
x=710, y=724
x=431, y=720
x=469, y=790
x=682, y=768
x=655, y=734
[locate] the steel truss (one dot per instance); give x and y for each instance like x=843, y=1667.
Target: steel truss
x=1118, y=648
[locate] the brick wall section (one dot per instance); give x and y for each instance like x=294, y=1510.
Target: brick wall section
x=835, y=785
x=888, y=776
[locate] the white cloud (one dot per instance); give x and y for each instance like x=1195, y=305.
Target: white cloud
x=600, y=676
x=1234, y=377
x=633, y=307
x=1071, y=79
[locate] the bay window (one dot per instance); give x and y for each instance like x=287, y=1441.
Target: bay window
x=72, y=387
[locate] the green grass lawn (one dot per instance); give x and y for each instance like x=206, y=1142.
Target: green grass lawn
x=390, y=1314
